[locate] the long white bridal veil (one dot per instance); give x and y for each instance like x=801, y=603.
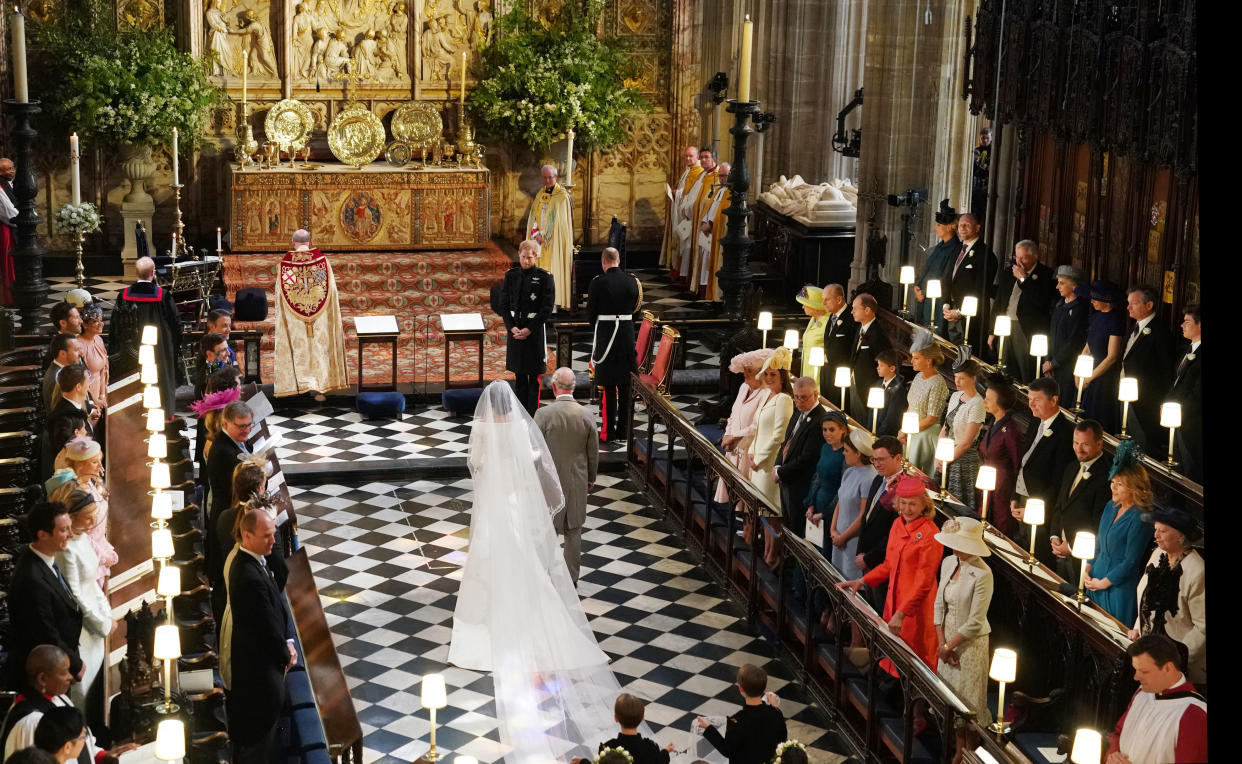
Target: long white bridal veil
x=518, y=614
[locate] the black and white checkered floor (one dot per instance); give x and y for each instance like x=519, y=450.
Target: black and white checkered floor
x=387, y=561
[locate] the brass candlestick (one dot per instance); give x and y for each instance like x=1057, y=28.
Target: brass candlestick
x=179, y=225
x=81, y=272
x=465, y=138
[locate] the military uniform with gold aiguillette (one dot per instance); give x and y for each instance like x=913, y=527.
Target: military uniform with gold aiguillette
x=612, y=299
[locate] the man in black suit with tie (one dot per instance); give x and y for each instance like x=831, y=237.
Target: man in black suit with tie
x=972, y=272
x=42, y=609
x=879, y=513
x=887, y=364
x=1188, y=391
x=1047, y=452
x=1148, y=357
x=1025, y=294
x=63, y=351
x=869, y=342
x=74, y=401
x=795, y=462
x=1084, y=490
x=840, y=331
x=235, y=424
x=261, y=650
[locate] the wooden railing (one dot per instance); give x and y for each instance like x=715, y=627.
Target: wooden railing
x=1073, y=653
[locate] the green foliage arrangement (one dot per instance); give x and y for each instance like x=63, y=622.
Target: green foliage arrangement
x=128, y=86
x=540, y=77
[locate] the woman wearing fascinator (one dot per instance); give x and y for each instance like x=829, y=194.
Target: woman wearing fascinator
x=963, y=421
x=926, y=397
x=1112, y=577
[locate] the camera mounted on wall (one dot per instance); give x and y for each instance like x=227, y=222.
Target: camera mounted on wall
x=850, y=144
x=718, y=85
x=911, y=198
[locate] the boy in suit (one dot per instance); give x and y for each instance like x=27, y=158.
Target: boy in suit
x=752, y=733
x=889, y=420
x=628, y=711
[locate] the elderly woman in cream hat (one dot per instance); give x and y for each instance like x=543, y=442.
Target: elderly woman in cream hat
x=743, y=419
x=961, y=613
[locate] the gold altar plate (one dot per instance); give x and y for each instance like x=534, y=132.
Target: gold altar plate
x=417, y=122
x=356, y=136
x=371, y=209
x=289, y=123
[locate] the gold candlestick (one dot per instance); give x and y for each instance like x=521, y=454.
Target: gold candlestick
x=179, y=225
x=81, y=273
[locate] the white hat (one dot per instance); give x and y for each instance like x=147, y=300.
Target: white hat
x=965, y=534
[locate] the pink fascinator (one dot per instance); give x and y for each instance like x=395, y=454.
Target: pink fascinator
x=215, y=401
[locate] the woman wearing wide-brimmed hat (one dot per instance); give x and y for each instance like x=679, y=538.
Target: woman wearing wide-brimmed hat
x=961, y=614
x=1172, y=592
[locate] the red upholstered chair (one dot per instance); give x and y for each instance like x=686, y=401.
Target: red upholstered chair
x=646, y=338
x=660, y=376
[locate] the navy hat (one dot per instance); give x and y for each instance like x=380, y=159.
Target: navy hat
x=838, y=417
x=946, y=215
x=1174, y=517
x=1105, y=291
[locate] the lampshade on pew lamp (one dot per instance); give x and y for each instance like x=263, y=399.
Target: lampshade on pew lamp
x=167, y=648
x=1171, y=417
x=1088, y=747
x=1083, y=366
x=1039, y=349
x=150, y=335
x=843, y=378
x=969, y=309
x=151, y=397
x=815, y=360
x=933, y=294
x=161, y=479
x=162, y=544
x=1002, y=329
x=157, y=446
x=170, y=740
x=1127, y=393
x=765, y=326
x=1083, y=549
x=1033, y=515
x=944, y=454
x=168, y=585
x=146, y=355
x=433, y=696
x=875, y=402
x=906, y=278
x=155, y=420
x=791, y=339
x=985, y=480
x=1003, y=671
x=150, y=375
x=161, y=508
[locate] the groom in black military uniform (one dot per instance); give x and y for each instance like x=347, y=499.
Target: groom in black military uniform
x=611, y=301
x=526, y=301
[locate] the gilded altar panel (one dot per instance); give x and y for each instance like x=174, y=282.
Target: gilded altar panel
x=373, y=209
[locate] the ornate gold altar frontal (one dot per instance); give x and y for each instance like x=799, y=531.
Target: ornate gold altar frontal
x=375, y=208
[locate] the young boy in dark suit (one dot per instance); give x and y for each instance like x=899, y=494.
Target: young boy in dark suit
x=752, y=734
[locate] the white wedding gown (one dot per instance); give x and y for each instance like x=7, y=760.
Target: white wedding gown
x=518, y=614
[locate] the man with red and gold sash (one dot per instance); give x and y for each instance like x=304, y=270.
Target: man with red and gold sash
x=551, y=224
x=310, y=340
x=670, y=251
x=146, y=303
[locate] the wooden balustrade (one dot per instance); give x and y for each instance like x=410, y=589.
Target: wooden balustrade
x=1076, y=651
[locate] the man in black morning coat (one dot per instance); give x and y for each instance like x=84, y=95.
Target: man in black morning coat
x=527, y=297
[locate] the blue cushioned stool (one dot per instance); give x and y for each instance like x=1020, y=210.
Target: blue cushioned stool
x=461, y=402
x=385, y=405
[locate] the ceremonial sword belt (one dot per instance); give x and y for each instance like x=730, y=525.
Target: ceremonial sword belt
x=616, y=325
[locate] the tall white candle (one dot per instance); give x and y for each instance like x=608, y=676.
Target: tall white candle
x=462, y=94
x=219, y=239
x=569, y=159
x=73, y=158
x=743, y=77
x=17, y=41
x=176, y=165
x=245, y=66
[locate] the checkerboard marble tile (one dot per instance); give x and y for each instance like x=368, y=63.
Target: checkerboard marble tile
x=387, y=561
x=337, y=434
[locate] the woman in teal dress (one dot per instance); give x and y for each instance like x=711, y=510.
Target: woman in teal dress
x=822, y=495
x=1122, y=542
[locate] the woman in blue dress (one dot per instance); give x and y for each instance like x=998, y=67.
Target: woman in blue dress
x=821, y=497
x=846, y=519
x=1122, y=542
x=1105, y=331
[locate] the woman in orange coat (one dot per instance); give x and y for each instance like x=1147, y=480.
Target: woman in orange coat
x=910, y=564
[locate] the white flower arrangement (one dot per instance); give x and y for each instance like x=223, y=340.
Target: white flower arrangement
x=780, y=749
x=78, y=218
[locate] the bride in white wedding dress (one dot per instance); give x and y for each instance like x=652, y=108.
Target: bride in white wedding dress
x=518, y=614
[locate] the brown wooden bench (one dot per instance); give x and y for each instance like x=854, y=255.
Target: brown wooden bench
x=323, y=667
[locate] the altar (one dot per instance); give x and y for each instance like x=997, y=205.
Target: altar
x=375, y=208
